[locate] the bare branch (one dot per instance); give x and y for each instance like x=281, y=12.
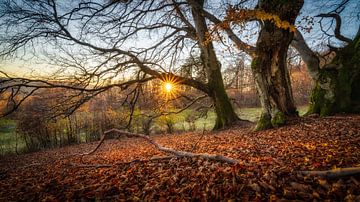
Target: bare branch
x=308, y=56
x=337, y=30
x=238, y=42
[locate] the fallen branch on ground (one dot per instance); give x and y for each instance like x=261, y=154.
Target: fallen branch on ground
x=164, y=149
x=97, y=146
x=335, y=173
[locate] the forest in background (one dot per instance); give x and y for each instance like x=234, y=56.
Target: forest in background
x=32, y=128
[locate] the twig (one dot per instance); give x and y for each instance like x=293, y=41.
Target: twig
x=97, y=146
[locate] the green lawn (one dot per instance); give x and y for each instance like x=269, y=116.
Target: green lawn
x=251, y=114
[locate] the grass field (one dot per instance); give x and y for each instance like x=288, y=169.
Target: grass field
x=8, y=138
x=9, y=141
x=251, y=114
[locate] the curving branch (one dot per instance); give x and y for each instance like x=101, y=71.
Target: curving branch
x=22, y=88
x=337, y=30
x=51, y=22
x=250, y=50
x=162, y=148
x=308, y=56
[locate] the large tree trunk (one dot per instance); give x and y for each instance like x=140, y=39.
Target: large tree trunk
x=224, y=110
x=337, y=85
x=225, y=114
x=269, y=65
x=337, y=90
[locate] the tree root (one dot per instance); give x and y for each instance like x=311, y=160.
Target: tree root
x=335, y=173
x=164, y=149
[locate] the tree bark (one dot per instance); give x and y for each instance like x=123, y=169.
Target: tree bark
x=337, y=84
x=225, y=114
x=269, y=65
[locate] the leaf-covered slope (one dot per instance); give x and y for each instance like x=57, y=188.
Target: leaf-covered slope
x=267, y=168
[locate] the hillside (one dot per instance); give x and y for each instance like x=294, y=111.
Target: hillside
x=129, y=168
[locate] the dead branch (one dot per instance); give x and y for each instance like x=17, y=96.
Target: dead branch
x=335, y=173
x=97, y=146
x=164, y=149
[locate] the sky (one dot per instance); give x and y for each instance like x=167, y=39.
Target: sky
x=39, y=66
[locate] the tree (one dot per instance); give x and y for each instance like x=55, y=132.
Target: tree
x=88, y=40
x=337, y=83
x=276, y=19
x=223, y=108
x=269, y=65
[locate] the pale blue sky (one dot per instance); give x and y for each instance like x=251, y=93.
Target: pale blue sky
x=311, y=8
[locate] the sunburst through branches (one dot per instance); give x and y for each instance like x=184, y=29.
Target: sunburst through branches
x=169, y=87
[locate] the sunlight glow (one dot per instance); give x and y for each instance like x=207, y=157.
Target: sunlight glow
x=168, y=87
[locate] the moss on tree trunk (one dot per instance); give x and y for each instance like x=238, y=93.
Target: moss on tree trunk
x=269, y=66
x=225, y=114
x=337, y=90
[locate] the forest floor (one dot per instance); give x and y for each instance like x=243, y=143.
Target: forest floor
x=268, y=167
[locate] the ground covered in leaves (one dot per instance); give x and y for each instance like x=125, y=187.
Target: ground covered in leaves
x=268, y=167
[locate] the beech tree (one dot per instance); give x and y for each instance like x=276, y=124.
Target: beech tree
x=336, y=88
x=276, y=20
x=180, y=24
x=337, y=83
x=269, y=64
x=90, y=42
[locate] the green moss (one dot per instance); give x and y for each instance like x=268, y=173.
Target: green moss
x=338, y=90
x=320, y=104
x=264, y=122
x=315, y=100
x=278, y=119
x=219, y=123
x=255, y=63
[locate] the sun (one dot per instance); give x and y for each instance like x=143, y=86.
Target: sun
x=168, y=87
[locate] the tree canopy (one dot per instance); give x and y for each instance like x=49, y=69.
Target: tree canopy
x=96, y=46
